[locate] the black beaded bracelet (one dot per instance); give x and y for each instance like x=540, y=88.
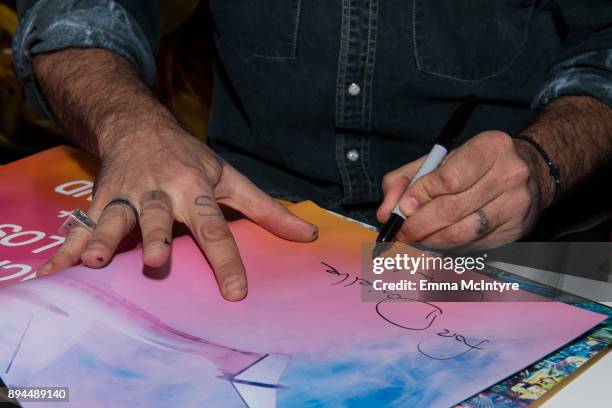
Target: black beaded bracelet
x=552, y=169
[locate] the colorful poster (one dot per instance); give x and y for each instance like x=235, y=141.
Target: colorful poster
x=36, y=193
x=128, y=336
x=529, y=385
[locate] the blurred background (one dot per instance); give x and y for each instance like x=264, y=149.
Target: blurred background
x=184, y=63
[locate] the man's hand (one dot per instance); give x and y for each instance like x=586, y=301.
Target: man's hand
x=149, y=160
x=167, y=177
x=489, y=191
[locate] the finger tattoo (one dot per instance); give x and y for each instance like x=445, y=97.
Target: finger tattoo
x=155, y=195
x=208, y=206
x=484, y=225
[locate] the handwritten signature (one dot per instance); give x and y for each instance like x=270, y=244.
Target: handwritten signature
x=434, y=312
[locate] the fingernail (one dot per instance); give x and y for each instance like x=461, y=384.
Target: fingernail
x=409, y=206
x=44, y=269
x=233, y=285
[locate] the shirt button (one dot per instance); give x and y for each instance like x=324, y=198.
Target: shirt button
x=354, y=89
x=352, y=155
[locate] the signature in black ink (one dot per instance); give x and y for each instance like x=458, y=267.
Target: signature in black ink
x=460, y=338
x=429, y=318
x=433, y=312
x=331, y=270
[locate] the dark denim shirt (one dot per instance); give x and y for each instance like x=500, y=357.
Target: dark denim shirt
x=319, y=99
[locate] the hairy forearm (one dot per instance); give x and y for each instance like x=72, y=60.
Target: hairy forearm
x=97, y=97
x=576, y=132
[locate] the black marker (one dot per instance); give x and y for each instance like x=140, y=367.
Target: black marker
x=445, y=141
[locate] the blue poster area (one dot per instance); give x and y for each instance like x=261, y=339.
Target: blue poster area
x=528, y=385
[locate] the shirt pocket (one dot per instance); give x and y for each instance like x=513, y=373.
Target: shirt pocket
x=264, y=28
x=469, y=40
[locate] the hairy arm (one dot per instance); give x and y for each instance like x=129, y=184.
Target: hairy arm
x=576, y=133
x=97, y=96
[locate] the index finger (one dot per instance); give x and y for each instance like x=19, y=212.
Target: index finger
x=210, y=229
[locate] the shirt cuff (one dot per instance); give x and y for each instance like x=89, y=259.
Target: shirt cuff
x=52, y=25
x=586, y=74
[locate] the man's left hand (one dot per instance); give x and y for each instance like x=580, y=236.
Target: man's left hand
x=489, y=191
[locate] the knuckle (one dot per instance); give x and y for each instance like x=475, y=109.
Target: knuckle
x=156, y=234
x=119, y=211
x=154, y=196
x=228, y=267
x=207, y=207
x=126, y=214
x=209, y=173
x=493, y=143
x=154, y=206
x=77, y=234
x=521, y=171
x=101, y=240
x=127, y=217
x=449, y=179
x=420, y=191
x=501, y=140
x=214, y=166
x=214, y=230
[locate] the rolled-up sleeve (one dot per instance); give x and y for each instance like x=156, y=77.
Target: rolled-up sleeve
x=128, y=27
x=585, y=65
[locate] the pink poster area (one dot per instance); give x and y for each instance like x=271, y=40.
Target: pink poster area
x=120, y=337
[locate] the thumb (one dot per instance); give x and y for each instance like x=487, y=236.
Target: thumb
x=266, y=211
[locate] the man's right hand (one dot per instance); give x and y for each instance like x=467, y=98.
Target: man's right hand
x=164, y=172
